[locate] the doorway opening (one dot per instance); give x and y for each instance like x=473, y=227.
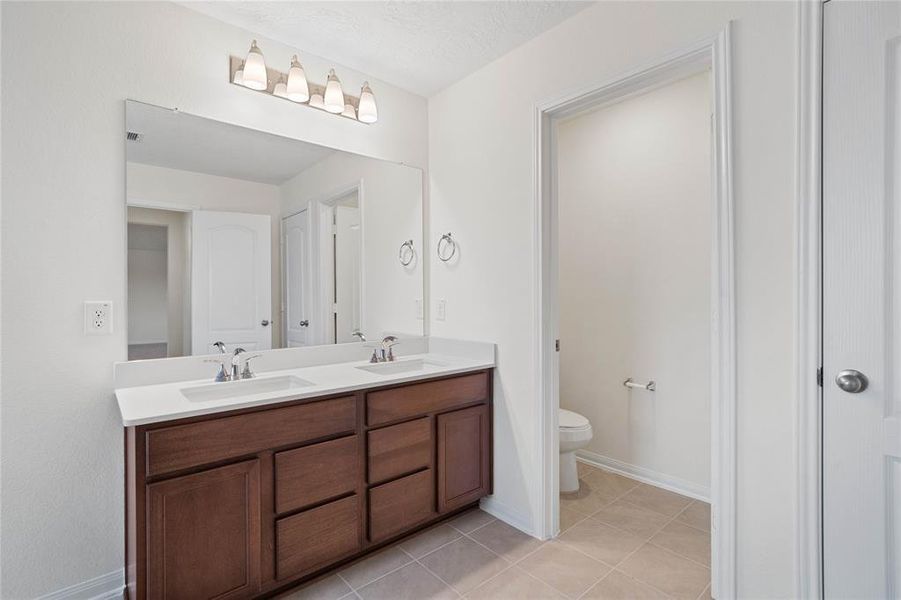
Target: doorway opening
x=636, y=340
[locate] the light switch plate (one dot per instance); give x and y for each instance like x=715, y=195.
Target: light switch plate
x=441, y=313
x=98, y=317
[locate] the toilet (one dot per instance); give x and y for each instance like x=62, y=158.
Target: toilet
x=575, y=433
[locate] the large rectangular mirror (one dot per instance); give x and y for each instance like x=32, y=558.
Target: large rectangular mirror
x=261, y=241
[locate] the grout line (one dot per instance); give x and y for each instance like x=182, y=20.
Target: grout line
x=674, y=553
x=437, y=576
x=701, y=595
x=383, y=575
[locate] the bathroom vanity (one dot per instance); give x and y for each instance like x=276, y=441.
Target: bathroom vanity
x=242, y=502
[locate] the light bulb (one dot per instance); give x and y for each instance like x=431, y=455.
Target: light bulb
x=239, y=76
x=298, y=90
x=255, y=69
x=367, y=112
x=349, y=111
x=281, y=89
x=334, y=96
x=316, y=101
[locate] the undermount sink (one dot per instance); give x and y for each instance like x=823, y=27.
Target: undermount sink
x=246, y=387
x=400, y=366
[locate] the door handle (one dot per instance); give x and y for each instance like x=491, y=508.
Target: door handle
x=851, y=381
x=305, y=323
x=265, y=322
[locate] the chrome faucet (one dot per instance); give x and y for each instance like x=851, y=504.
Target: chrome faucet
x=388, y=343
x=359, y=334
x=246, y=373
x=222, y=373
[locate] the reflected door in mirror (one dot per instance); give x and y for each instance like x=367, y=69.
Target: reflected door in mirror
x=295, y=232
x=230, y=282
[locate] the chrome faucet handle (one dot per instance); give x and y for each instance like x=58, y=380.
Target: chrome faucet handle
x=222, y=373
x=247, y=373
x=220, y=346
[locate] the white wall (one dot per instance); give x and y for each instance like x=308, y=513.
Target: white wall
x=63, y=241
x=162, y=186
x=481, y=166
x=634, y=252
x=178, y=285
x=148, y=314
x=392, y=212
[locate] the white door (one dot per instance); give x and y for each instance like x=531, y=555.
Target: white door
x=297, y=308
x=862, y=300
x=231, y=281
x=348, y=271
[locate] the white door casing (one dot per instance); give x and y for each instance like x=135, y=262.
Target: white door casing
x=231, y=287
x=296, y=268
x=861, y=307
x=348, y=273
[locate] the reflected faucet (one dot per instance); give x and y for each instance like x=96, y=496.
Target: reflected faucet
x=359, y=334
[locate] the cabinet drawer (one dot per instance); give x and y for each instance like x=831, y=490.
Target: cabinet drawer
x=183, y=446
x=315, y=473
x=399, y=449
x=399, y=403
x=315, y=538
x=399, y=505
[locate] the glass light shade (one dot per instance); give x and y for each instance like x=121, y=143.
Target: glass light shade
x=281, y=89
x=316, y=101
x=298, y=90
x=349, y=111
x=334, y=95
x=239, y=77
x=367, y=112
x=255, y=69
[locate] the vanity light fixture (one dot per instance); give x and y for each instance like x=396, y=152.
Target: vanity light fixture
x=298, y=89
x=255, y=69
x=251, y=72
x=317, y=102
x=334, y=95
x=281, y=88
x=368, y=111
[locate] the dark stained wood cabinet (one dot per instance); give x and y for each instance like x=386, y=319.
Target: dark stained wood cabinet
x=204, y=534
x=464, y=473
x=250, y=502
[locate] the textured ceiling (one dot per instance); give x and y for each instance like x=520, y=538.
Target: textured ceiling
x=421, y=47
x=180, y=141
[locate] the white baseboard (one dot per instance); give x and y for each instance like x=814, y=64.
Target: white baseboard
x=104, y=587
x=508, y=515
x=667, y=482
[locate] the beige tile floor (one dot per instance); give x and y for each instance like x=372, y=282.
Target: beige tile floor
x=620, y=539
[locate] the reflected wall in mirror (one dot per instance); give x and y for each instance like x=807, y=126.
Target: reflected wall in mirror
x=261, y=241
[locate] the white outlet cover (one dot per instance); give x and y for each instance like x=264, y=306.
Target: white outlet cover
x=442, y=309
x=98, y=317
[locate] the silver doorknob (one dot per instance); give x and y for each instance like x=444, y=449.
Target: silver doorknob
x=851, y=381
x=305, y=323
x=265, y=322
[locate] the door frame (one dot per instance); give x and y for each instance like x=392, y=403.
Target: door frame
x=713, y=53
x=283, y=272
x=808, y=304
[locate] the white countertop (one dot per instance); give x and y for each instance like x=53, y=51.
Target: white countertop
x=140, y=405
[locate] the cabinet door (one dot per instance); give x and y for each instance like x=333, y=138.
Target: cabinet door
x=204, y=534
x=463, y=457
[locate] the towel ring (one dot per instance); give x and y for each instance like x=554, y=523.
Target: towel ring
x=406, y=254
x=448, y=242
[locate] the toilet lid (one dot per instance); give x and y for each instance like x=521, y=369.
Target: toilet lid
x=570, y=420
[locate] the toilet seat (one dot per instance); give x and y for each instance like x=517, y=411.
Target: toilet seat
x=571, y=421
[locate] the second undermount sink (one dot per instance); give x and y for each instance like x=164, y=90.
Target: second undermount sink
x=246, y=387
x=400, y=366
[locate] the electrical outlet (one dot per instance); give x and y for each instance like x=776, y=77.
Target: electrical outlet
x=418, y=303
x=98, y=317
x=442, y=310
